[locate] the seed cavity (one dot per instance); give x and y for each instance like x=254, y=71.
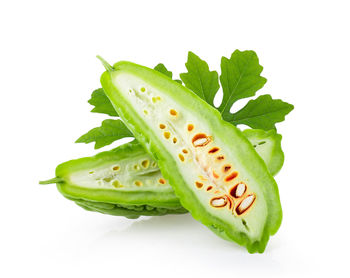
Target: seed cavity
x=145, y=163
x=213, y=150
x=117, y=184
x=238, y=190
x=226, y=168
x=138, y=183
x=108, y=179
x=154, y=164
x=218, y=202
x=199, y=184
x=162, y=126
x=167, y=135
x=190, y=127
x=200, y=140
x=173, y=112
x=174, y=140
x=162, y=181
x=136, y=167
x=116, y=168
x=185, y=151
x=231, y=176
x=245, y=204
x=145, y=112
x=182, y=158
x=215, y=175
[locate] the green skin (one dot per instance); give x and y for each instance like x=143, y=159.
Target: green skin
x=267, y=144
x=263, y=219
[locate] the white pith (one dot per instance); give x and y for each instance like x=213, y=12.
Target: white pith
x=131, y=174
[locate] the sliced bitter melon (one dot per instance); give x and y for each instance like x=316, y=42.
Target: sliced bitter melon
x=213, y=168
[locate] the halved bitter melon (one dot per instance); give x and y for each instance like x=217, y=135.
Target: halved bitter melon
x=213, y=168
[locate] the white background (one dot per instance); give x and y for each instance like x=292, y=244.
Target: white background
x=48, y=70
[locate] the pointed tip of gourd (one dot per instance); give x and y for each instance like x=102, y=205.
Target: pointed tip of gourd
x=50, y=181
x=107, y=66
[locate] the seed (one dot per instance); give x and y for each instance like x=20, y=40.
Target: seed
x=117, y=184
x=215, y=175
x=162, y=181
x=209, y=188
x=143, y=89
x=155, y=99
x=138, y=183
x=190, y=127
x=231, y=176
x=145, y=112
x=245, y=204
x=162, y=126
x=145, y=163
x=200, y=140
x=116, y=168
x=185, y=151
x=136, y=167
x=181, y=157
x=213, y=150
x=226, y=168
x=174, y=140
x=238, y=190
x=167, y=135
x=220, y=157
x=108, y=179
x=218, y=202
x=173, y=112
x=199, y=184
x=91, y=172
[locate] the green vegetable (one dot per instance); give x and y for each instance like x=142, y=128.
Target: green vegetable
x=212, y=167
x=268, y=145
x=124, y=181
x=93, y=174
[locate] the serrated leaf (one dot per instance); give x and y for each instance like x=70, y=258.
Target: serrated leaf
x=161, y=68
x=200, y=79
x=240, y=78
x=101, y=103
x=262, y=113
x=107, y=133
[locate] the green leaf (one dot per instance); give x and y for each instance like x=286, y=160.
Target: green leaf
x=200, y=79
x=240, y=78
x=262, y=113
x=161, y=68
x=101, y=103
x=107, y=133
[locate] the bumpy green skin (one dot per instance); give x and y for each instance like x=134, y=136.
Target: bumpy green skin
x=227, y=134
x=268, y=145
x=131, y=212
